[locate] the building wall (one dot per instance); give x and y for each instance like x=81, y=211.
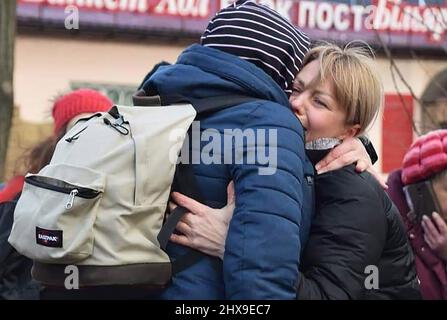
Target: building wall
x=44, y=67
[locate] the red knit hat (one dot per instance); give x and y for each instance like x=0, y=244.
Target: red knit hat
x=426, y=157
x=77, y=102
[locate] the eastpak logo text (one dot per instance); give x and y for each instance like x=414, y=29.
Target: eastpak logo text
x=45, y=237
x=49, y=238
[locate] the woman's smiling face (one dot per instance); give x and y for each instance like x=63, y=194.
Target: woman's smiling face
x=315, y=105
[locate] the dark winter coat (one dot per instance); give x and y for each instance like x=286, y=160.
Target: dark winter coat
x=15, y=269
x=356, y=231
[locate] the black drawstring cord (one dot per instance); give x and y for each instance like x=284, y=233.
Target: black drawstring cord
x=118, y=126
x=75, y=136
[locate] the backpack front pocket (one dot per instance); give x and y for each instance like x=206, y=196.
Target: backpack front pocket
x=55, y=217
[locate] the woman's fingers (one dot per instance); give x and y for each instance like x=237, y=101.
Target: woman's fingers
x=181, y=239
x=188, y=218
x=330, y=161
x=429, y=241
x=378, y=177
x=428, y=237
x=339, y=162
x=429, y=229
x=183, y=227
x=361, y=165
x=187, y=242
x=349, y=151
x=192, y=205
x=430, y=226
x=440, y=223
x=171, y=206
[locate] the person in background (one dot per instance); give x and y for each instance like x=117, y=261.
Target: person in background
x=66, y=110
x=11, y=188
x=15, y=269
x=425, y=161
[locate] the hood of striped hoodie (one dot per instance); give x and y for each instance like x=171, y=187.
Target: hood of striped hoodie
x=261, y=36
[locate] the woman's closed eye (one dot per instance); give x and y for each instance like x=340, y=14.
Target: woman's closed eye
x=297, y=90
x=320, y=102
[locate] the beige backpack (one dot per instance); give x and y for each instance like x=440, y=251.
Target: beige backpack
x=100, y=204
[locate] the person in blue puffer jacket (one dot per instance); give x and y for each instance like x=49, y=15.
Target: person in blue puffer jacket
x=250, y=50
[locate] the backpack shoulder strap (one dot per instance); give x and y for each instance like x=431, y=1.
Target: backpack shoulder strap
x=184, y=182
x=184, y=179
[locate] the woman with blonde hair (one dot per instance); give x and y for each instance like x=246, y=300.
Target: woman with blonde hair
x=357, y=248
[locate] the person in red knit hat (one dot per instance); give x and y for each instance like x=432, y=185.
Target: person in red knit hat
x=15, y=269
x=77, y=104
x=425, y=161
x=67, y=109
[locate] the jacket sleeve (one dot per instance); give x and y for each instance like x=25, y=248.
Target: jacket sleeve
x=347, y=235
x=263, y=244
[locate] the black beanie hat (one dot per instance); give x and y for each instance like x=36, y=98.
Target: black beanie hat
x=261, y=36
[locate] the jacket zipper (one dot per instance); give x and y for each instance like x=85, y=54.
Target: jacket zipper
x=71, y=190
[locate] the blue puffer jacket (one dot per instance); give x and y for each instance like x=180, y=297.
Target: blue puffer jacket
x=273, y=212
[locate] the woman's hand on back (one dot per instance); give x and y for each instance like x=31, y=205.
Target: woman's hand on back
x=348, y=152
x=203, y=228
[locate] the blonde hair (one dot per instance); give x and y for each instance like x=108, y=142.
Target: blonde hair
x=357, y=85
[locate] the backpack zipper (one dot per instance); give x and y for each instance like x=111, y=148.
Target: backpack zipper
x=69, y=189
x=73, y=194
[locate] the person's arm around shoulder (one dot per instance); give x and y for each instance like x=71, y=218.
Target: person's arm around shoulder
x=262, y=248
